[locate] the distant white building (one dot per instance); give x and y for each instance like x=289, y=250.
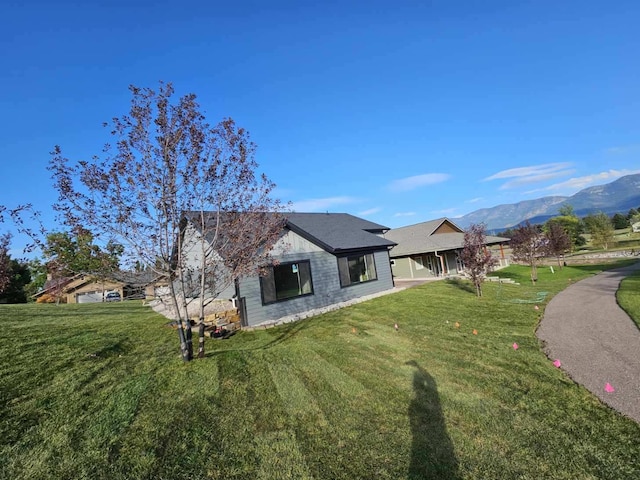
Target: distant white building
x=635, y=227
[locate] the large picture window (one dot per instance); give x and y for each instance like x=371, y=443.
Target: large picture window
x=285, y=281
x=357, y=269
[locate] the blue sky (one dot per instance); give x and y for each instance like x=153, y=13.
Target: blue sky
x=399, y=112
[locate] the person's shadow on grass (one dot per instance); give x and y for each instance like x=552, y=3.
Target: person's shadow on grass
x=432, y=453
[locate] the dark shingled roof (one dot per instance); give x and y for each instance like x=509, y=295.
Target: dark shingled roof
x=334, y=232
x=338, y=232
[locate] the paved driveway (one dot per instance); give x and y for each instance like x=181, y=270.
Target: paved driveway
x=595, y=340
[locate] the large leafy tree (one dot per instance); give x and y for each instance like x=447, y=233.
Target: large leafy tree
x=165, y=160
x=477, y=258
x=38, y=273
x=571, y=224
x=14, y=275
x=619, y=221
x=601, y=229
x=529, y=246
x=19, y=278
x=75, y=252
x=567, y=210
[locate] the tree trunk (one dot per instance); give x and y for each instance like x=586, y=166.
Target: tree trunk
x=183, y=345
x=201, y=338
x=189, y=339
x=184, y=350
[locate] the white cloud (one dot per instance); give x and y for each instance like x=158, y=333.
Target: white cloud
x=518, y=182
x=404, y=214
x=578, y=183
x=371, y=211
x=321, y=204
x=447, y=212
x=411, y=183
x=475, y=200
x=529, y=171
x=622, y=150
x=531, y=174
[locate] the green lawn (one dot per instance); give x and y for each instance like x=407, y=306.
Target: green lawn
x=100, y=392
x=629, y=296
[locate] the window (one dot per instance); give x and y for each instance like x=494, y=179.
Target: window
x=356, y=269
x=419, y=264
x=285, y=281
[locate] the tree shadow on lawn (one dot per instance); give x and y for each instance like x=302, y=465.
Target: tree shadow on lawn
x=463, y=285
x=432, y=454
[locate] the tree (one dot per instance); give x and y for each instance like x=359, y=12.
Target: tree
x=601, y=230
x=226, y=247
x=567, y=210
x=75, y=252
x=528, y=245
x=475, y=255
x=167, y=160
x=38, y=273
x=20, y=276
x=571, y=224
x=5, y=262
x=558, y=240
x=619, y=221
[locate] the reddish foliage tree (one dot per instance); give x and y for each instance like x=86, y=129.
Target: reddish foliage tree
x=558, y=241
x=529, y=245
x=167, y=160
x=478, y=260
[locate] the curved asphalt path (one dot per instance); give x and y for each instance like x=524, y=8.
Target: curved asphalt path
x=595, y=340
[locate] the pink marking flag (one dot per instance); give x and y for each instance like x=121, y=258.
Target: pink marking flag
x=608, y=388
x=515, y=346
x=557, y=363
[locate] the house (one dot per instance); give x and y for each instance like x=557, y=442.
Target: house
x=635, y=227
x=53, y=288
x=87, y=288
x=430, y=249
x=321, y=260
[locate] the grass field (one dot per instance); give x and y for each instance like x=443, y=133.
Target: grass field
x=629, y=296
x=623, y=239
x=100, y=392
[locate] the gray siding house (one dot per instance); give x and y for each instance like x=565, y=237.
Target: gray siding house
x=322, y=259
x=431, y=249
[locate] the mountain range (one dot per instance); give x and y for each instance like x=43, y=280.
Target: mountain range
x=618, y=196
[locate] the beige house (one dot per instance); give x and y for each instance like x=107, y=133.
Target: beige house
x=431, y=249
x=89, y=289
